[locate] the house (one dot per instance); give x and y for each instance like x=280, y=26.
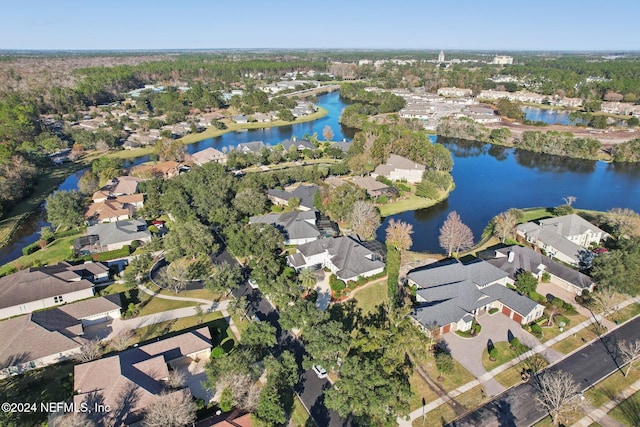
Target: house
x=451, y=294
x=299, y=144
x=305, y=193
x=115, y=235
x=515, y=259
x=347, y=258
x=374, y=187
x=454, y=91
x=114, y=209
x=49, y=336
x=135, y=379
x=43, y=287
x=234, y=419
x=208, y=155
x=240, y=119
x=298, y=227
x=566, y=237
x=254, y=147
x=165, y=170
x=399, y=168
x=120, y=186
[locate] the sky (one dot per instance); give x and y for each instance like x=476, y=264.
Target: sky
x=492, y=25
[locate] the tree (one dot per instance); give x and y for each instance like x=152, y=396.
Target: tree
x=176, y=379
x=286, y=115
x=294, y=203
x=243, y=389
x=327, y=132
x=557, y=392
x=569, y=200
x=65, y=209
x=238, y=306
x=88, y=352
x=399, y=235
x=526, y=283
x=307, y=278
x=88, y=182
x=190, y=238
x=504, y=224
x=176, y=284
x=175, y=409
x=250, y=201
x=455, y=235
x=327, y=343
x=444, y=363
x=224, y=279
x=364, y=219
x=620, y=268
x=629, y=352
x=121, y=340
x=270, y=409
x=259, y=335
x=606, y=299
x=75, y=419
x=624, y=221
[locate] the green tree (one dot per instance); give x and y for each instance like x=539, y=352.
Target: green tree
x=444, y=363
x=286, y=115
x=270, y=410
x=307, y=278
x=620, y=269
x=250, y=201
x=259, y=336
x=65, y=209
x=190, y=239
x=224, y=279
x=526, y=283
x=327, y=343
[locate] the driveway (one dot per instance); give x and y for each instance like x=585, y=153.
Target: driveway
x=468, y=351
x=195, y=375
x=323, y=289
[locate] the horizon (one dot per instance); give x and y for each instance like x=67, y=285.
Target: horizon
x=464, y=25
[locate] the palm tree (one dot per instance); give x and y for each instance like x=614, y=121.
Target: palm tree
x=307, y=278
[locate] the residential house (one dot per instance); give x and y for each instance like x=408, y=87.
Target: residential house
x=517, y=259
x=451, y=294
x=165, y=170
x=454, y=91
x=303, y=108
x=134, y=379
x=374, y=187
x=398, y=168
x=208, y=155
x=240, y=119
x=347, y=258
x=114, y=209
x=305, y=193
x=43, y=287
x=567, y=238
x=49, y=336
x=254, y=147
x=299, y=144
x=115, y=235
x=120, y=186
x=298, y=227
x=236, y=418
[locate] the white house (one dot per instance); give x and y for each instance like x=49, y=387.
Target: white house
x=115, y=235
x=298, y=227
x=344, y=256
x=399, y=168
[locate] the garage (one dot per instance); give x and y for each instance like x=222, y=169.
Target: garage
x=446, y=328
x=506, y=311
x=518, y=318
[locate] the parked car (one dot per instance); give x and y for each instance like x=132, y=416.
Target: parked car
x=253, y=284
x=320, y=372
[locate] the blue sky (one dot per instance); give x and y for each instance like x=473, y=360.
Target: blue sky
x=372, y=24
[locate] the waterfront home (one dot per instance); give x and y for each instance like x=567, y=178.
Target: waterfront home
x=208, y=155
x=115, y=235
x=306, y=194
x=298, y=227
x=398, y=168
x=114, y=209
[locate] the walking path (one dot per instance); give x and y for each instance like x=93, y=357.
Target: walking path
x=599, y=415
x=485, y=377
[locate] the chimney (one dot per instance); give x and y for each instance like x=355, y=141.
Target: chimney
x=512, y=255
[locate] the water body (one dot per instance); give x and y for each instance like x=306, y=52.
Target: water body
x=550, y=117
x=491, y=179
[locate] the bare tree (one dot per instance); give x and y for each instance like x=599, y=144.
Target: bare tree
x=167, y=281
x=629, y=352
x=121, y=340
x=199, y=313
x=238, y=306
x=504, y=224
x=176, y=379
x=625, y=221
x=75, y=419
x=364, y=219
x=569, y=200
x=557, y=393
x=606, y=300
x=88, y=352
x=175, y=409
x=399, y=235
x=242, y=387
x=327, y=132
x=455, y=236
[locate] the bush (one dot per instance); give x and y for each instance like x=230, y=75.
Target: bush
x=27, y=250
x=536, y=329
x=546, y=277
x=383, y=199
x=217, y=352
x=493, y=353
x=515, y=343
x=557, y=302
x=403, y=187
x=336, y=284
x=494, y=310
x=569, y=308
x=560, y=318
x=118, y=253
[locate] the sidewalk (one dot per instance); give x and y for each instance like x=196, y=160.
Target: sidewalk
x=536, y=350
x=599, y=415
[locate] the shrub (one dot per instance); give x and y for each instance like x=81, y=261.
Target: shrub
x=42, y=243
x=153, y=229
x=569, y=308
x=557, y=302
x=336, y=284
x=536, y=329
x=383, y=199
x=493, y=353
x=27, y=250
x=515, y=343
x=118, y=253
x=403, y=187
x=546, y=277
x=494, y=310
x=217, y=352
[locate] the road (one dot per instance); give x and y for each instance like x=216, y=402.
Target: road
x=589, y=365
x=310, y=388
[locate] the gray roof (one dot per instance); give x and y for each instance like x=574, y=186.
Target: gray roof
x=67, y=315
x=305, y=193
x=512, y=299
x=526, y=259
x=294, y=225
x=478, y=272
x=344, y=145
x=300, y=144
x=347, y=255
x=251, y=147
x=398, y=162
x=120, y=231
x=35, y=284
x=570, y=225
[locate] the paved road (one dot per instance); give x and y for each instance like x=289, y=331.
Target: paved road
x=310, y=388
x=516, y=407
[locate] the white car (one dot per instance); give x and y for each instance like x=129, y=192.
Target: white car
x=253, y=284
x=320, y=372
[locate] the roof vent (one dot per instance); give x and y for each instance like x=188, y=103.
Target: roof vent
x=512, y=255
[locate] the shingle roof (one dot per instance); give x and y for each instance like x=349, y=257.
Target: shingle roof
x=205, y=156
x=294, y=225
x=120, y=231
x=526, y=259
x=305, y=193
x=570, y=225
x=511, y=299
x=300, y=144
x=253, y=147
x=478, y=272
x=398, y=162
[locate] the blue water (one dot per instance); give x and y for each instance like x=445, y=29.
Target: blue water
x=551, y=117
x=491, y=179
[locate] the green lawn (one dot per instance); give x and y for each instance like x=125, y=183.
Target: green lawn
x=214, y=320
x=445, y=414
x=410, y=202
x=554, y=331
x=299, y=415
x=575, y=341
x=151, y=305
x=625, y=313
x=504, y=355
x=419, y=390
x=512, y=376
x=610, y=387
x=628, y=411
x=531, y=214
x=368, y=298
x=50, y=384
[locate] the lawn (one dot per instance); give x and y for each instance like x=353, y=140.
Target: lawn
x=299, y=415
x=241, y=323
x=196, y=293
x=628, y=411
x=371, y=296
x=553, y=331
x=512, y=376
x=419, y=390
x=214, y=320
x=610, y=387
x=504, y=354
x=575, y=341
x=50, y=384
x=531, y=214
x=410, y=202
x=459, y=376
x=445, y=414
x=151, y=305
x=625, y=313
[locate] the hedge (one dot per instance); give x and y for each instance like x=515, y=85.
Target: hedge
x=27, y=250
x=118, y=253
